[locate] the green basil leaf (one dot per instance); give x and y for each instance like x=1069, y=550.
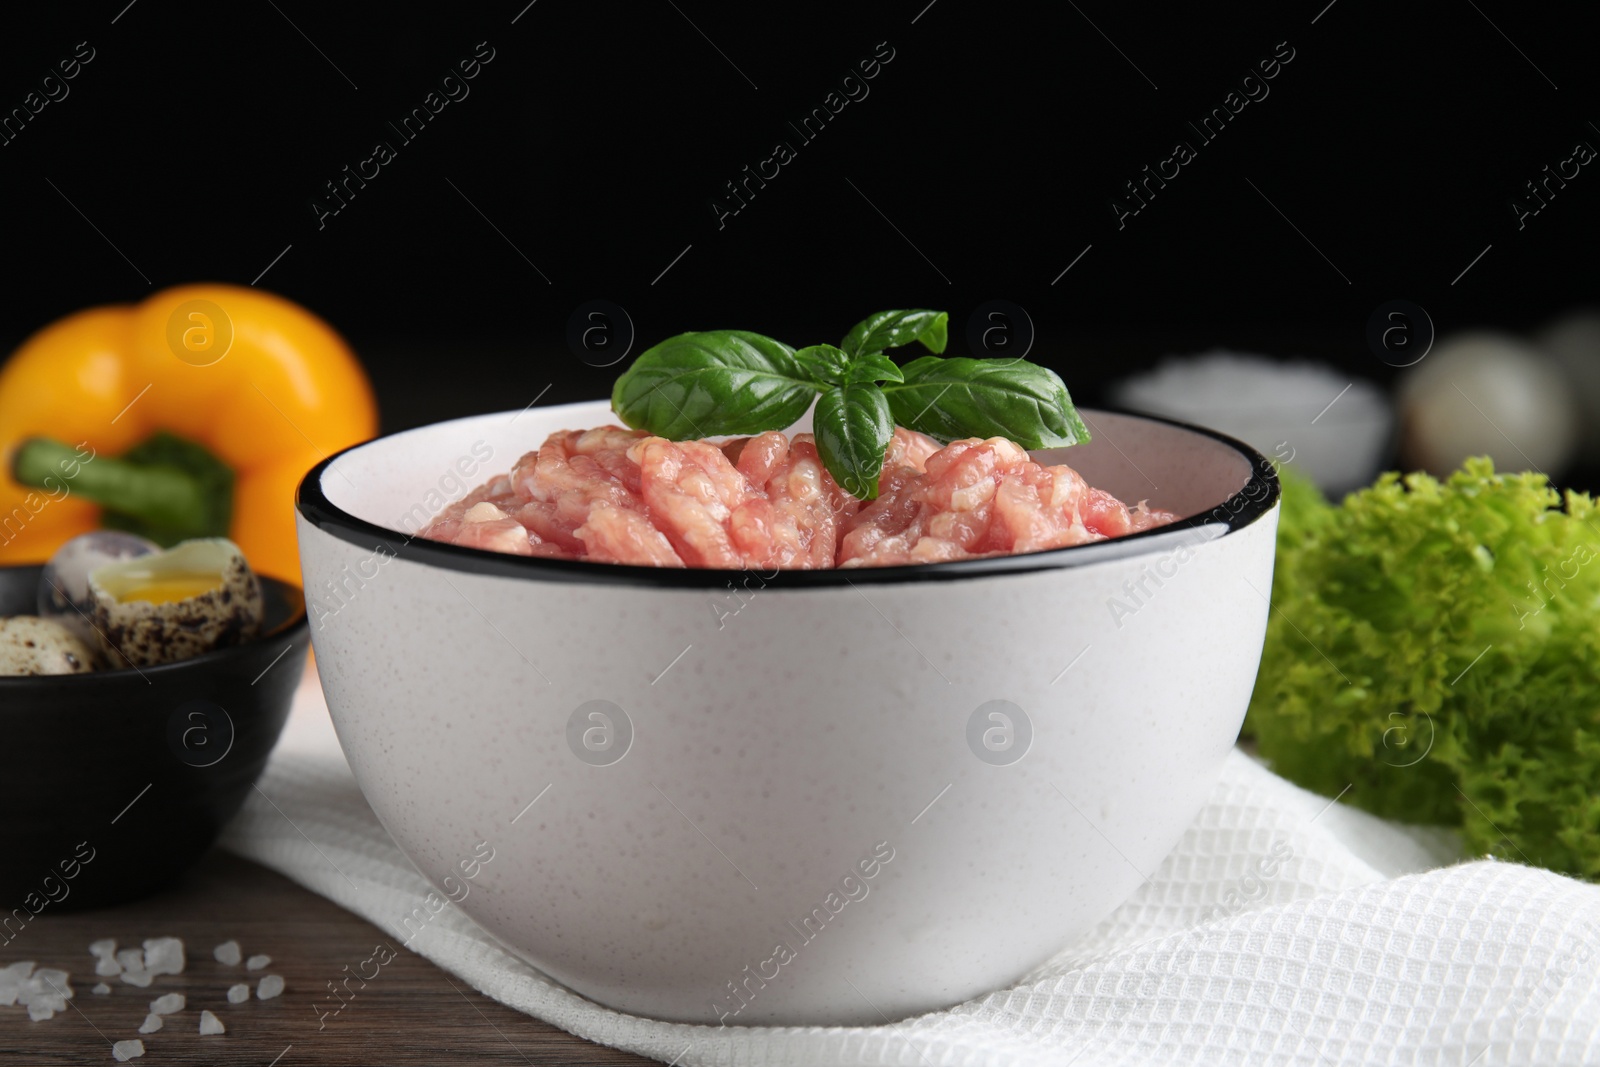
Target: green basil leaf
x=891, y=329
x=948, y=399
x=713, y=383
x=825, y=363
x=874, y=367
x=853, y=427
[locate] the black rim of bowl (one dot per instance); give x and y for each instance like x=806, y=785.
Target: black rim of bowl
x=291, y=628
x=1253, y=500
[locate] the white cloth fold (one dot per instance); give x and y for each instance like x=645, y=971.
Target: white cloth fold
x=1282, y=930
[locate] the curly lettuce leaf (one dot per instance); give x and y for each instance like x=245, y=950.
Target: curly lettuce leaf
x=1437, y=648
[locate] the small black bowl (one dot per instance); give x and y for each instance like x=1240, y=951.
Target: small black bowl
x=113, y=783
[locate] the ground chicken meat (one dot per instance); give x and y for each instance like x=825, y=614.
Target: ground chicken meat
x=623, y=496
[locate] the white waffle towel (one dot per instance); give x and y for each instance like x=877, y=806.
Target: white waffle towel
x=1282, y=930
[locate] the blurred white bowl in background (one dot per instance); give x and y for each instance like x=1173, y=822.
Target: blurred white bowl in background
x=1327, y=425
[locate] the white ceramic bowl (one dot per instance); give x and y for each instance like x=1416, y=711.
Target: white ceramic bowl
x=1307, y=415
x=819, y=814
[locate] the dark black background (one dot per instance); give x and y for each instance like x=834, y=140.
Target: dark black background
x=595, y=140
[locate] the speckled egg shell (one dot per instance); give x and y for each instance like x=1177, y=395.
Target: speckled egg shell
x=31, y=645
x=145, y=634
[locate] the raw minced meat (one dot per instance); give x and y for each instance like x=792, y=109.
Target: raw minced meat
x=983, y=498
x=623, y=496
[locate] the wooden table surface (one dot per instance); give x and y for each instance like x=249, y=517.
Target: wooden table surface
x=410, y=1013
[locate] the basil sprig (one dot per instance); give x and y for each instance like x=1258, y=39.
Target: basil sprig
x=953, y=398
x=731, y=382
x=891, y=329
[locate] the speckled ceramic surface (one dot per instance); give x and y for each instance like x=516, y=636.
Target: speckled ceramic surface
x=862, y=797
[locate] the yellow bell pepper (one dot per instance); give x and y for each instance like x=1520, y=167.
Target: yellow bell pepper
x=193, y=413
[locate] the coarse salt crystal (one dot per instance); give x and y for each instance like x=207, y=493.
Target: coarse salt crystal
x=107, y=967
x=151, y=1024
x=238, y=994
x=132, y=959
x=48, y=989
x=164, y=955
x=255, y=963
x=52, y=978
x=40, y=1012
x=142, y=979
x=127, y=1050
x=41, y=999
x=13, y=978
x=106, y=946
x=228, y=953
x=210, y=1024
x=168, y=1003
x=269, y=987
x=100, y=989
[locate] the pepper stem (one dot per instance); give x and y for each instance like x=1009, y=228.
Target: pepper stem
x=161, y=500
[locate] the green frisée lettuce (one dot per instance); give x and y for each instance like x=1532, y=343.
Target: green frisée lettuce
x=1435, y=646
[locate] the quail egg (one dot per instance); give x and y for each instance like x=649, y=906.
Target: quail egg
x=1485, y=393
x=31, y=645
x=64, y=583
x=167, y=606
